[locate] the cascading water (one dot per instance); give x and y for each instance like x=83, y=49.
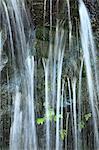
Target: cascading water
x=80, y=104
x=46, y=70
x=23, y=131
x=59, y=73
x=63, y=121
x=74, y=112
x=16, y=128
x=89, y=55
x=53, y=66
x=61, y=104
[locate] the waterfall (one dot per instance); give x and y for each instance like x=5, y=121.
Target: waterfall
x=89, y=56
x=74, y=112
x=80, y=104
x=23, y=130
x=16, y=129
x=54, y=105
x=59, y=73
x=46, y=70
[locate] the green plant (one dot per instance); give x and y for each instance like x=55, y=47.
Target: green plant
x=63, y=133
x=83, y=122
x=51, y=117
x=40, y=121
x=87, y=116
x=59, y=116
x=51, y=114
x=81, y=125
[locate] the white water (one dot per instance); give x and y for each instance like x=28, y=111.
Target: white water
x=55, y=67
x=87, y=47
x=70, y=25
x=44, y=20
x=61, y=111
x=71, y=106
x=80, y=104
x=30, y=97
x=23, y=129
x=59, y=73
x=74, y=112
x=46, y=70
x=66, y=138
x=16, y=128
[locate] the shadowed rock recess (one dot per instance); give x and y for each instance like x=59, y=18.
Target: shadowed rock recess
x=46, y=41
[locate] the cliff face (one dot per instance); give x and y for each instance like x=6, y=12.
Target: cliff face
x=36, y=8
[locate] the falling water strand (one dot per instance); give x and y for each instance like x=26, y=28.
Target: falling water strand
x=11, y=39
x=74, y=113
x=57, y=7
x=66, y=138
x=25, y=138
x=46, y=70
x=51, y=16
x=93, y=51
x=44, y=21
x=54, y=67
x=59, y=72
x=20, y=33
x=71, y=107
x=70, y=25
x=16, y=128
x=50, y=32
x=54, y=76
x=9, y=26
x=50, y=45
x=32, y=126
x=62, y=98
x=85, y=40
x=80, y=103
x=45, y=1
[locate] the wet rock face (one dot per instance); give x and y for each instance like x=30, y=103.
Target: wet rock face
x=6, y=129
x=92, y=7
x=4, y=60
x=36, y=8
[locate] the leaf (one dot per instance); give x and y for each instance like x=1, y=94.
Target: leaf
x=50, y=114
x=63, y=134
x=59, y=116
x=81, y=125
x=40, y=121
x=87, y=116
